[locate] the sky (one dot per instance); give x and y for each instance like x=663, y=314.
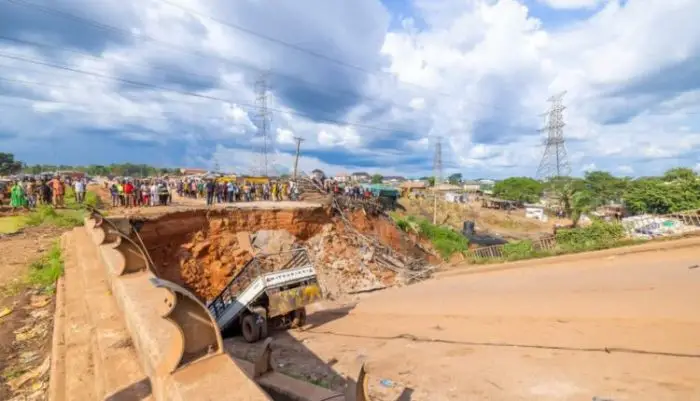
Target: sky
x=369, y=85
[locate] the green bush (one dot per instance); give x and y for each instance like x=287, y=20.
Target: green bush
x=445, y=240
x=45, y=271
x=599, y=235
x=48, y=215
x=518, y=250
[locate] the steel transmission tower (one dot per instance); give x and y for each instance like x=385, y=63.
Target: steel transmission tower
x=437, y=161
x=555, y=162
x=263, y=162
x=437, y=174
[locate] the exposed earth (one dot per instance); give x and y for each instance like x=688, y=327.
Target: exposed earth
x=616, y=328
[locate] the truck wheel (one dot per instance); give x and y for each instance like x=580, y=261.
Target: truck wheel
x=299, y=318
x=263, y=325
x=250, y=329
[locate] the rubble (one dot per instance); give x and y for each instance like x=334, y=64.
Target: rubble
x=352, y=249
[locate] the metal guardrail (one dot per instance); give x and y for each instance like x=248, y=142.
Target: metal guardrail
x=260, y=264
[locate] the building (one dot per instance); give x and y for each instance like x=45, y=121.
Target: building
x=192, y=171
x=409, y=188
x=471, y=186
x=360, y=176
x=393, y=180
x=342, y=177
x=486, y=186
x=535, y=212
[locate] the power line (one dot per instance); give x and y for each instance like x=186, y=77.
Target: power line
x=241, y=63
x=555, y=162
x=193, y=94
x=298, y=48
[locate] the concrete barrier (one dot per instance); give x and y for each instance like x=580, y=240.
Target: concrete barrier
x=178, y=343
x=177, y=340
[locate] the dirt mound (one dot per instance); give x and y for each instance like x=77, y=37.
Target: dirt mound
x=203, y=251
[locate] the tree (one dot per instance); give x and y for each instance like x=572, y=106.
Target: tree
x=603, y=187
x=8, y=164
x=521, y=189
x=377, y=179
x=431, y=181
x=680, y=174
x=455, y=179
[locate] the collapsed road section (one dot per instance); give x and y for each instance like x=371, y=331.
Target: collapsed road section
x=160, y=278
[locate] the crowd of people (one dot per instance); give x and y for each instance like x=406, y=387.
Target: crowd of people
x=127, y=192
x=228, y=191
x=29, y=192
x=134, y=193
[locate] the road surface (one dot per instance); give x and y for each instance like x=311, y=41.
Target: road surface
x=618, y=328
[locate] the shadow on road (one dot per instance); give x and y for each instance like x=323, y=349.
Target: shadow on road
x=292, y=356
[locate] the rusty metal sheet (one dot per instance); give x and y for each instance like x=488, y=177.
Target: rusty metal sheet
x=283, y=302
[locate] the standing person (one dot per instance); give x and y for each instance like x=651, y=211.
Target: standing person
x=210, y=187
x=58, y=191
x=31, y=193
x=78, y=186
x=154, y=193
x=45, y=193
x=17, y=198
x=114, y=191
x=129, y=193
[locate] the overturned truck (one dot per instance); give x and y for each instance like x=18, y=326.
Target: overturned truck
x=177, y=338
x=270, y=292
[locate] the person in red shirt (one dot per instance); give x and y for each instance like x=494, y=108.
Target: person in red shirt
x=129, y=193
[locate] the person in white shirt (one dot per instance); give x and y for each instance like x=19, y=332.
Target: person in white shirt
x=79, y=191
x=154, y=193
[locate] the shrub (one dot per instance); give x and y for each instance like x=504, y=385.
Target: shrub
x=518, y=250
x=45, y=271
x=599, y=235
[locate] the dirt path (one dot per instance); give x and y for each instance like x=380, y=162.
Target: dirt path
x=26, y=316
x=621, y=328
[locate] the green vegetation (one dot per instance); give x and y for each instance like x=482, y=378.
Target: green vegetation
x=124, y=169
x=11, y=224
x=521, y=189
x=377, y=179
x=44, y=272
x=59, y=218
x=8, y=164
x=599, y=235
x=445, y=240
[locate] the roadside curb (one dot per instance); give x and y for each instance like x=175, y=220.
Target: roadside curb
x=57, y=383
x=654, y=246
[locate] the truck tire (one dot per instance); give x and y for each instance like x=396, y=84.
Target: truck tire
x=250, y=328
x=299, y=318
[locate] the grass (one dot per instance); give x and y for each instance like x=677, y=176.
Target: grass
x=446, y=241
x=11, y=224
x=69, y=217
x=44, y=272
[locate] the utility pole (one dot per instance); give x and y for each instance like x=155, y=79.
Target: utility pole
x=263, y=119
x=437, y=175
x=296, y=159
x=554, y=163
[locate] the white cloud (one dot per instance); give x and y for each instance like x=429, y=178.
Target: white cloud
x=476, y=72
x=589, y=167
x=285, y=136
x=572, y=4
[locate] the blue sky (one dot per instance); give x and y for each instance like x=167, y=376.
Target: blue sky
x=368, y=84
